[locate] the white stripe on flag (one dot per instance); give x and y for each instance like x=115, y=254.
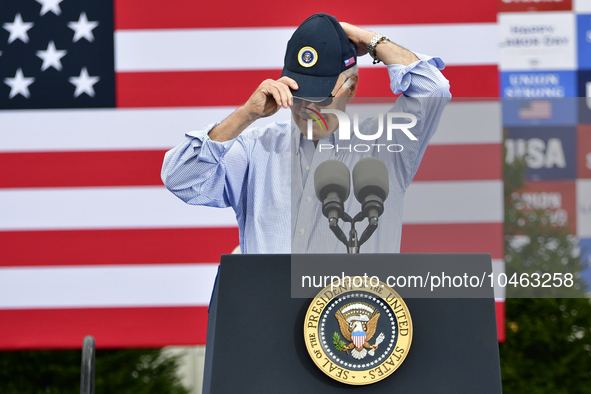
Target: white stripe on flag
x=264, y=48
x=454, y=202
x=130, y=129
x=104, y=208
x=106, y=286
x=461, y=122
x=498, y=267
x=155, y=207
x=469, y=123
x=107, y=129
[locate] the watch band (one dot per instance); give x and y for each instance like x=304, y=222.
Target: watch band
x=371, y=48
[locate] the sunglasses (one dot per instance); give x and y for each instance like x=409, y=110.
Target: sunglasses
x=324, y=103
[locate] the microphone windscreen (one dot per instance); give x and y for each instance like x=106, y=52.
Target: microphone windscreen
x=332, y=176
x=370, y=176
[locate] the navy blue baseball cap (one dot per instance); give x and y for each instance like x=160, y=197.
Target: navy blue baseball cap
x=317, y=53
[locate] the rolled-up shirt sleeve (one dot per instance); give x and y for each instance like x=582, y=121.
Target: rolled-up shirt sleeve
x=196, y=170
x=419, y=79
x=425, y=93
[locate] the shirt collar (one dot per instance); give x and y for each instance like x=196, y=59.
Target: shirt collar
x=297, y=138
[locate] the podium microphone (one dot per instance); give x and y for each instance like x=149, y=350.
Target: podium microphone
x=371, y=186
x=332, y=182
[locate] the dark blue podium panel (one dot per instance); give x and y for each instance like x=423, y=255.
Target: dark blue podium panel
x=256, y=344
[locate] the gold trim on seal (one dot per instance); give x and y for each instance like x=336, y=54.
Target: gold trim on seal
x=301, y=61
x=376, y=364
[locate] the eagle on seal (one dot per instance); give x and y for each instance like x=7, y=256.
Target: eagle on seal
x=356, y=334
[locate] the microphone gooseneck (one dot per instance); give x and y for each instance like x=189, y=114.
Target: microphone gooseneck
x=371, y=188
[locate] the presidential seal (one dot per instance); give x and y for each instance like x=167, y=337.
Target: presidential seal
x=307, y=57
x=358, y=335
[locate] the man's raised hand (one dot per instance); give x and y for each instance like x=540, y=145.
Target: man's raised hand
x=358, y=36
x=265, y=101
x=270, y=96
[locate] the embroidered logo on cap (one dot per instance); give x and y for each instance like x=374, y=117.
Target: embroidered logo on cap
x=307, y=57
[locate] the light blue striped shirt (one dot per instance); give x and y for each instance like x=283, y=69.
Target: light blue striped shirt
x=263, y=173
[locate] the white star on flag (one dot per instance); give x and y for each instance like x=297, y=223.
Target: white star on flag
x=19, y=84
x=84, y=83
x=18, y=29
x=51, y=57
x=83, y=28
x=50, y=5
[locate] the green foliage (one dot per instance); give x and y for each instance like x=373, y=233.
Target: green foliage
x=338, y=343
x=513, y=175
x=129, y=371
x=533, y=245
x=548, y=345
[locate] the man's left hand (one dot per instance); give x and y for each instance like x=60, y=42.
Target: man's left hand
x=387, y=52
x=358, y=36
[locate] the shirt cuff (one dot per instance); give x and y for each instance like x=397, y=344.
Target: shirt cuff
x=209, y=151
x=400, y=75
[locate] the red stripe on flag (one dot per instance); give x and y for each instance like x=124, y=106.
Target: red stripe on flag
x=137, y=246
x=74, y=169
x=111, y=327
x=182, y=14
x=118, y=327
x=188, y=88
x=209, y=88
x=142, y=168
x=205, y=245
x=465, y=81
x=500, y=309
x=461, y=162
x=473, y=81
x=453, y=238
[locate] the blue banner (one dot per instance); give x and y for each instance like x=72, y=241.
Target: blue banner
x=550, y=152
x=585, y=94
x=585, y=245
x=584, y=41
x=539, y=98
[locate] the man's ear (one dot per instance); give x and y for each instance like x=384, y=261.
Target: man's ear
x=353, y=88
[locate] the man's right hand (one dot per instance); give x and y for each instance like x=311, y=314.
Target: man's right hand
x=270, y=96
x=265, y=101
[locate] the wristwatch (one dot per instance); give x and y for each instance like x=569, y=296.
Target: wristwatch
x=371, y=48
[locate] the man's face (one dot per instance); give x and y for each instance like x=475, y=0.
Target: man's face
x=303, y=111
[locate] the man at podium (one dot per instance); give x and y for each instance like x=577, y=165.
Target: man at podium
x=266, y=174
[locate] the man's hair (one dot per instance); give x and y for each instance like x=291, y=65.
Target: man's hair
x=348, y=74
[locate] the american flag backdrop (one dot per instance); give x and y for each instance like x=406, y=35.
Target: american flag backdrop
x=94, y=92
